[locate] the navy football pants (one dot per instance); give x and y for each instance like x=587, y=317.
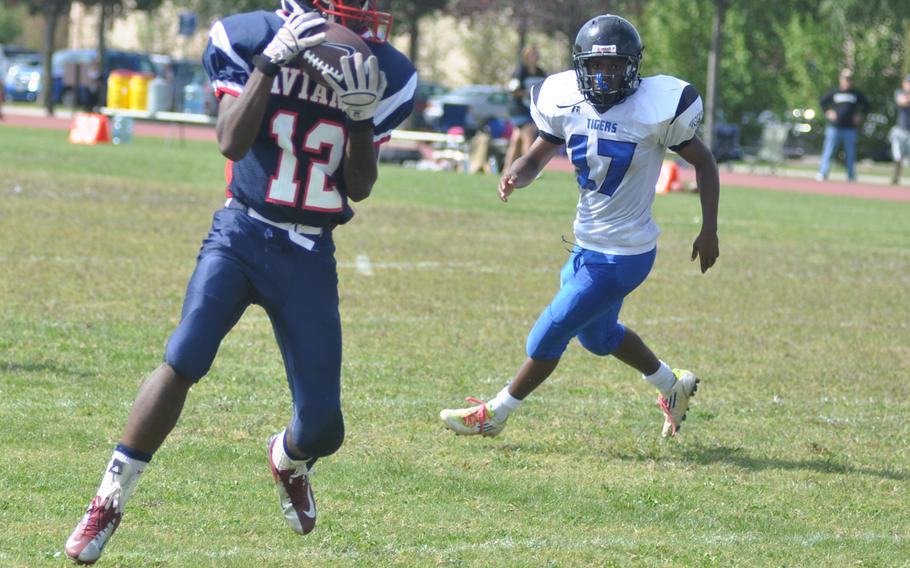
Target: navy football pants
x=244, y=261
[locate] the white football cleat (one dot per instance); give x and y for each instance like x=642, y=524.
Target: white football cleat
x=101, y=519
x=676, y=403
x=472, y=421
x=295, y=496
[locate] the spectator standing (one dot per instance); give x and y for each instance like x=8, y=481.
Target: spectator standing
x=900, y=134
x=527, y=74
x=845, y=108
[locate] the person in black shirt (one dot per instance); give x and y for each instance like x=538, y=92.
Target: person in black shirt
x=845, y=108
x=527, y=74
x=900, y=134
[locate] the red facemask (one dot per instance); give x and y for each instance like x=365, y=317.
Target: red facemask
x=358, y=15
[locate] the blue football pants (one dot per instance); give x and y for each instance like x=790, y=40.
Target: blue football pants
x=244, y=261
x=592, y=288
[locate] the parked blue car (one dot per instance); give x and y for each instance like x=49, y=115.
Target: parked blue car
x=23, y=78
x=472, y=108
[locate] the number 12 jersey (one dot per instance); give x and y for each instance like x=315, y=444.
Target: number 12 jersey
x=294, y=170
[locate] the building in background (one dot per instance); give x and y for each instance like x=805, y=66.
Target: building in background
x=155, y=32
x=448, y=58
x=452, y=53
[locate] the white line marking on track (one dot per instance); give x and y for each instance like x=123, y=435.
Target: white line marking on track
x=363, y=265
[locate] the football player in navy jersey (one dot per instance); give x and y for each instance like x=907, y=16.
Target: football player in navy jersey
x=616, y=128
x=300, y=151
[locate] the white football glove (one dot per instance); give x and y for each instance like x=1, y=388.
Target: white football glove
x=294, y=36
x=363, y=86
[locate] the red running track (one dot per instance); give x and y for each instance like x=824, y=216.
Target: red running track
x=727, y=178
x=140, y=127
x=784, y=183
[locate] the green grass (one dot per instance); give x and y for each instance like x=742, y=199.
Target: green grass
x=795, y=452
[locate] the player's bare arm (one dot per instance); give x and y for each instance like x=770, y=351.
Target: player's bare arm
x=526, y=168
x=238, y=124
x=360, y=169
x=239, y=118
x=705, y=247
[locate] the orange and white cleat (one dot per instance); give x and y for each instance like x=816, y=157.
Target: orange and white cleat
x=474, y=420
x=676, y=403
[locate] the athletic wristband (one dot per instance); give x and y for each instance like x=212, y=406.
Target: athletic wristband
x=265, y=66
x=358, y=125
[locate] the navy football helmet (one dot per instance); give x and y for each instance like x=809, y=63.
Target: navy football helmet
x=613, y=37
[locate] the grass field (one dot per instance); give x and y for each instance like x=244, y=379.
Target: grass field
x=795, y=453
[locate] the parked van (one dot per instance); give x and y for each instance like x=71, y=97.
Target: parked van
x=76, y=74
x=10, y=52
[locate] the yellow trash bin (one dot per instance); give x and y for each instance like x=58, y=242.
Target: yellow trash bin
x=139, y=90
x=118, y=89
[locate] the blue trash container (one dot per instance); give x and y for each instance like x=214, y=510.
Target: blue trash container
x=121, y=129
x=193, y=101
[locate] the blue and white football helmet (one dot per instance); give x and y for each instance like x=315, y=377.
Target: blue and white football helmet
x=607, y=36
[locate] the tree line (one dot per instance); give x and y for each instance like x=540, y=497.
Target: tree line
x=770, y=55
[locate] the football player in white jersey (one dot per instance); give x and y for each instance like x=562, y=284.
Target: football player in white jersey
x=616, y=128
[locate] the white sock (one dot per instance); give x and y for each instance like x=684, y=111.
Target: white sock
x=663, y=378
x=280, y=455
x=503, y=404
x=120, y=478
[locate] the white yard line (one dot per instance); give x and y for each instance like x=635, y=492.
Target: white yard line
x=363, y=265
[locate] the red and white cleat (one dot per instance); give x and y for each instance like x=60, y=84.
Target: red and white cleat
x=100, y=521
x=295, y=496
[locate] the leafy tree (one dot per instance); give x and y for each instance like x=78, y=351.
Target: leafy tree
x=874, y=34
x=553, y=17
x=11, y=22
x=214, y=9
x=501, y=28
x=408, y=14
x=773, y=55
x=780, y=55
x=490, y=54
x=52, y=11
x=108, y=10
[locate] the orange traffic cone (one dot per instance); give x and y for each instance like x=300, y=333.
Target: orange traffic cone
x=89, y=128
x=669, y=178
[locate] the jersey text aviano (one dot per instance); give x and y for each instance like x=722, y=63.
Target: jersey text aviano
x=294, y=170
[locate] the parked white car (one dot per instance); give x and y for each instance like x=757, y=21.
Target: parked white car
x=470, y=107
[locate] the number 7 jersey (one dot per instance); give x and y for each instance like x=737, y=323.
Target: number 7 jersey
x=617, y=154
x=294, y=170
